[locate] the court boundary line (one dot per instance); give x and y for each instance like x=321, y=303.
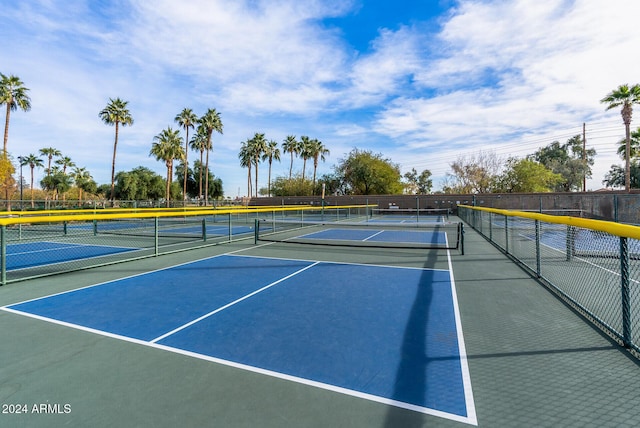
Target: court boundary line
x=470, y=418
x=462, y=350
x=252, y=369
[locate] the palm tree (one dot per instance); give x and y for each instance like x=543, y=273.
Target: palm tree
x=210, y=122
x=304, y=152
x=115, y=113
x=290, y=145
x=33, y=161
x=65, y=162
x=625, y=96
x=14, y=95
x=199, y=143
x=634, y=145
x=256, y=147
x=50, y=152
x=186, y=119
x=316, y=151
x=246, y=160
x=167, y=147
x=271, y=152
x=81, y=177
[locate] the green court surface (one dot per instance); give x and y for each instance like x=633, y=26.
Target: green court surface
x=532, y=361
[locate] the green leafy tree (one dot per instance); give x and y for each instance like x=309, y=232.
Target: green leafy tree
x=34, y=162
x=210, y=122
x=186, y=119
x=84, y=181
x=294, y=186
x=525, y=176
x=13, y=94
x=167, y=147
x=418, y=184
x=624, y=96
x=617, y=175
x=56, y=182
x=366, y=173
x=139, y=184
x=570, y=160
x=115, y=113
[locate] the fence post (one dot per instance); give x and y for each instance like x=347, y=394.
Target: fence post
x=3, y=255
x=538, y=258
x=506, y=234
x=624, y=288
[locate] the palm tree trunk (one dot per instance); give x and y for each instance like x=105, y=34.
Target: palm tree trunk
x=206, y=181
x=627, y=162
x=6, y=124
x=249, y=181
x=200, y=189
x=32, y=186
x=113, y=168
x=269, y=182
x=256, y=178
x=291, y=166
x=168, y=187
x=186, y=168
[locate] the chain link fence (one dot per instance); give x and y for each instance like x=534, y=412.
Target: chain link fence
x=46, y=243
x=593, y=265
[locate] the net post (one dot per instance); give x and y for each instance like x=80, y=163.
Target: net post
x=3, y=254
x=231, y=227
x=156, y=233
x=256, y=225
x=64, y=227
x=625, y=292
x=461, y=232
x=204, y=230
x=95, y=227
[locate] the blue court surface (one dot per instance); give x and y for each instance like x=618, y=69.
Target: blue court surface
x=31, y=254
x=387, y=334
x=380, y=235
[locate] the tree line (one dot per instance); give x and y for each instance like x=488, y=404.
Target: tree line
x=556, y=167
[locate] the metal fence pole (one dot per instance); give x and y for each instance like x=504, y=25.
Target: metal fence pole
x=3, y=254
x=624, y=288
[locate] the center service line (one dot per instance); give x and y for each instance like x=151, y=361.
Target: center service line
x=157, y=339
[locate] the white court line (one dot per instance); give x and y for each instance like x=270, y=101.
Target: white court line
x=205, y=316
x=464, y=366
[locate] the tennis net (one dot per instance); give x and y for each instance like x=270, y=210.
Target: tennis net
x=410, y=214
x=445, y=236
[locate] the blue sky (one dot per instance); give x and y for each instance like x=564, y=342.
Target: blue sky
x=422, y=82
